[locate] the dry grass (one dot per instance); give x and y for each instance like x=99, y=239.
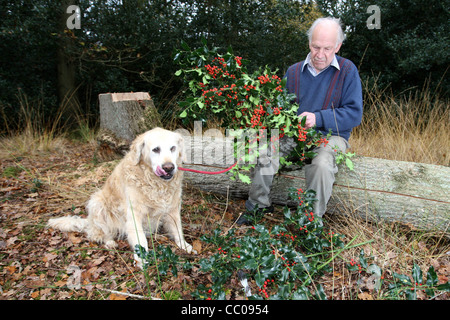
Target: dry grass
x=413, y=128
x=29, y=142
x=392, y=247
x=40, y=133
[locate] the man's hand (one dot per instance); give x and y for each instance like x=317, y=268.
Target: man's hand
x=310, y=119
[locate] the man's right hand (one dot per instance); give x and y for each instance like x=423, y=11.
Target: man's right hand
x=310, y=119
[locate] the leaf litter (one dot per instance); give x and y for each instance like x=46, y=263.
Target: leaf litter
x=46, y=264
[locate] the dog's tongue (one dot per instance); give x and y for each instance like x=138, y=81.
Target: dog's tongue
x=160, y=172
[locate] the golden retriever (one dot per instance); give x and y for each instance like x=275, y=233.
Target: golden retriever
x=142, y=193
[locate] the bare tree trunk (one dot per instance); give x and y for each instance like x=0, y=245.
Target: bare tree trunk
x=67, y=87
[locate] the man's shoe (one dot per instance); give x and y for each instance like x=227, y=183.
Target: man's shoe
x=250, y=217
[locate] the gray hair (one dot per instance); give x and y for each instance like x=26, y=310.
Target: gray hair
x=328, y=20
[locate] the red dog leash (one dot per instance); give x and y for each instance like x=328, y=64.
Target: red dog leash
x=208, y=172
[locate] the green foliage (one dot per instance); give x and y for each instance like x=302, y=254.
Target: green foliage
x=12, y=171
x=275, y=259
x=283, y=261
x=127, y=45
x=409, y=48
x=162, y=257
x=219, y=87
x=37, y=184
x=409, y=285
x=402, y=285
x=28, y=57
x=345, y=157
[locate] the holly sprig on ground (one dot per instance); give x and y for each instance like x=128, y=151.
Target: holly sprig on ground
x=286, y=260
x=283, y=261
x=399, y=286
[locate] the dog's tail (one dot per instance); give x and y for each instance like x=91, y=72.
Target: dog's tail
x=68, y=224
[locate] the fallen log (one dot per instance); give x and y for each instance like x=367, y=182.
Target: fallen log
x=378, y=189
x=410, y=193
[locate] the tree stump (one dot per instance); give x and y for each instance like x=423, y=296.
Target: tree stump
x=415, y=194
x=122, y=117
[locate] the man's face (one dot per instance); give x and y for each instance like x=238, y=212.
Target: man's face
x=323, y=46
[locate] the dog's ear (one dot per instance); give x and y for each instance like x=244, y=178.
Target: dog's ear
x=138, y=148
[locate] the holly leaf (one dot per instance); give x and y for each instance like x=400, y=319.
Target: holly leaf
x=259, y=279
x=301, y=294
x=320, y=294
x=444, y=287
x=405, y=280
x=432, y=278
x=376, y=271
x=362, y=259
x=244, y=178
x=349, y=163
x=417, y=274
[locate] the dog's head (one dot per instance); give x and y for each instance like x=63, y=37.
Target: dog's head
x=160, y=149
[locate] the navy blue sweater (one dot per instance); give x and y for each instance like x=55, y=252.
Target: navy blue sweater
x=334, y=96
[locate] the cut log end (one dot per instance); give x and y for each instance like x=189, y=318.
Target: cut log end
x=123, y=116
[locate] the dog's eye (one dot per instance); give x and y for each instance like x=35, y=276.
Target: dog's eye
x=156, y=150
x=173, y=149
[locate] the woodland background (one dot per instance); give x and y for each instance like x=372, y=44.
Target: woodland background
x=127, y=46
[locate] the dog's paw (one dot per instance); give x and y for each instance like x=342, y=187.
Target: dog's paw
x=188, y=248
x=138, y=262
x=110, y=244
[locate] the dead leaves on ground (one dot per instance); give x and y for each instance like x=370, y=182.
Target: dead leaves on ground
x=36, y=262
x=41, y=263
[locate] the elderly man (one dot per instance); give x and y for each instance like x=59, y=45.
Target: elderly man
x=329, y=94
